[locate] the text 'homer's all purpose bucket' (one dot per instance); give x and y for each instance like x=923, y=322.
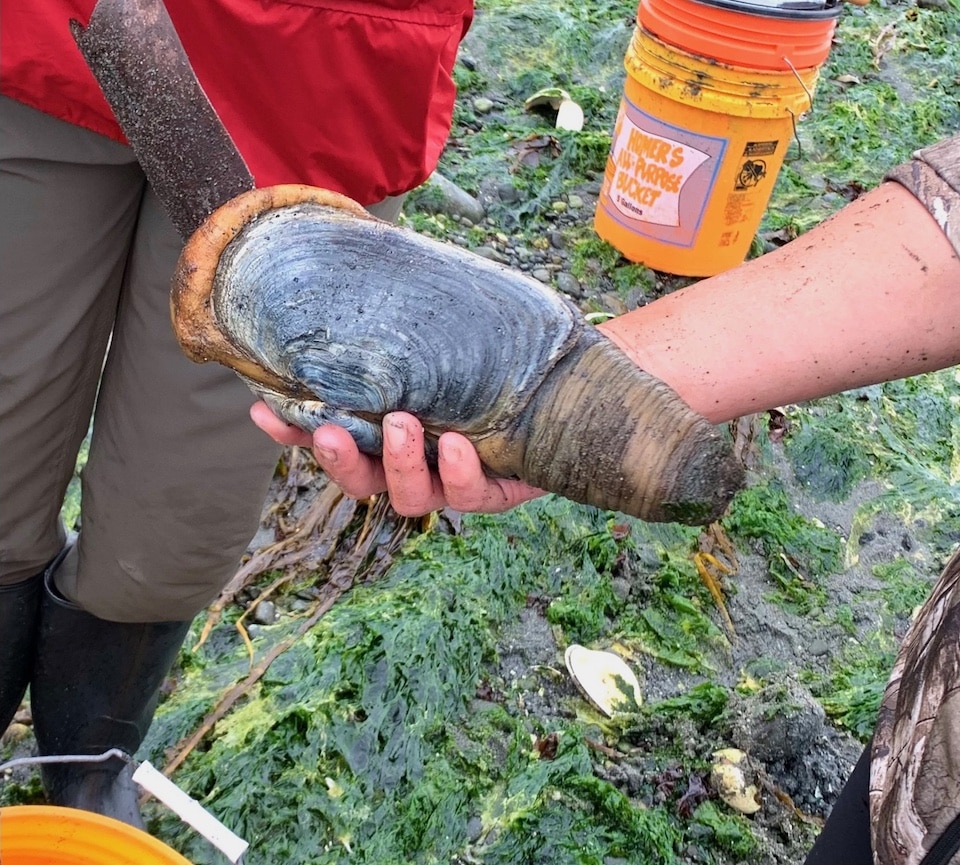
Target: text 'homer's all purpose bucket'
x=699, y=140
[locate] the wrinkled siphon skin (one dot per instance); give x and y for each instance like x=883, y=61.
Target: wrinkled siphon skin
x=333, y=316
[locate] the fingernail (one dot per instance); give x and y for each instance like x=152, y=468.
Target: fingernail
x=325, y=455
x=450, y=452
x=395, y=434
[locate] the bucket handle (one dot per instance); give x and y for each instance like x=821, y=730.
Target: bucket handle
x=793, y=117
x=796, y=75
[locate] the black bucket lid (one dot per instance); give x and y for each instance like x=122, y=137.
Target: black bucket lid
x=794, y=9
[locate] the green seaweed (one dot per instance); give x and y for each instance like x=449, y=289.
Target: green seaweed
x=824, y=458
x=729, y=832
x=850, y=693
x=800, y=553
x=362, y=735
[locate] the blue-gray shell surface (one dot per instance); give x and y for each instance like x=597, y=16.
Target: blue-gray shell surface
x=369, y=324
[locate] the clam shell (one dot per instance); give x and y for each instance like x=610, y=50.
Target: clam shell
x=367, y=344
x=604, y=678
x=728, y=777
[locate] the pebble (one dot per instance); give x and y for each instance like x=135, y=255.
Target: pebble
x=492, y=254
x=613, y=303
x=635, y=297
x=482, y=105
x=569, y=284
x=819, y=648
x=265, y=613
x=508, y=193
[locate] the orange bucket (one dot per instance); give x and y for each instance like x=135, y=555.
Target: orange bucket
x=759, y=34
x=48, y=835
x=697, y=147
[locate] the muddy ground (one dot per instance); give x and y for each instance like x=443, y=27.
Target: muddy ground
x=801, y=760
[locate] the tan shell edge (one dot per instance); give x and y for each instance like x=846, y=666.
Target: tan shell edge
x=190, y=308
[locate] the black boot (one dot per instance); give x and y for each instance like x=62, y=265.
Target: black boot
x=18, y=629
x=95, y=687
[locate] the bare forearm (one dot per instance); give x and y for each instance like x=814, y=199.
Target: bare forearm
x=870, y=295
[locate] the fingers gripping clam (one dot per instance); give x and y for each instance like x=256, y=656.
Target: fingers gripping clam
x=332, y=315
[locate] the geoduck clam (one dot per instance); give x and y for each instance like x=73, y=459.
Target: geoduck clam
x=334, y=316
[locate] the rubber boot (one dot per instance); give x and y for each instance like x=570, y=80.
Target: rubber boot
x=845, y=836
x=95, y=686
x=19, y=604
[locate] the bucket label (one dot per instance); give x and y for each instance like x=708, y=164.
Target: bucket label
x=751, y=172
x=649, y=173
x=760, y=148
x=659, y=176
x=753, y=169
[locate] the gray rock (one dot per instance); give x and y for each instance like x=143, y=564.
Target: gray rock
x=613, y=303
x=265, y=613
x=569, y=284
x=508, y=193
x=820, y=647
x=492, y=254
x=440, y=195
x=482, y=105
x=780, y=722
x=635, y=298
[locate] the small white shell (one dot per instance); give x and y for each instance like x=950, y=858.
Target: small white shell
x=730, y=781
x=569, y=116
x=569, y=113
x=604, y=678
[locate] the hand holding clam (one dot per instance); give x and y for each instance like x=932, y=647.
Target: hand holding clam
x=402, y=471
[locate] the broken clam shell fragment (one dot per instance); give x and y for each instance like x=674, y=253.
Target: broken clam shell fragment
x=334, y=316
x=604, y=678
x=729, y=778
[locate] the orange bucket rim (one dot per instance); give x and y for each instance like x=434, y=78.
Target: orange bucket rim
x=51, y=834
x=792, y=10
x=719, y=31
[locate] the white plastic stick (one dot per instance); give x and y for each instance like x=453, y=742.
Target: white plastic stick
x=190, y=811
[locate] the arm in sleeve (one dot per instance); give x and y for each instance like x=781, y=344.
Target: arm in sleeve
x=933, y=176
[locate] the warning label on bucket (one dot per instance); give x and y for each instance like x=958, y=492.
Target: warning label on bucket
x=760, y=148
x=650, y=171
x=751, y=172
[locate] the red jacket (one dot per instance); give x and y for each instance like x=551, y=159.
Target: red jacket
x=348, y=95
